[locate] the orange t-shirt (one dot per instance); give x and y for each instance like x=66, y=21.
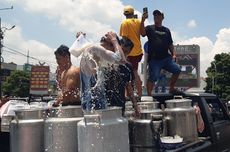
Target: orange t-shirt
x=130, y=28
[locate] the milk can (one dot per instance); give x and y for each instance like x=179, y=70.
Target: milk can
x=27, y=130
x=148, y=105
x=181, y=119
x=61, y=129
x=103, y=131
x=5, y=122
x=145, y=133
x=148, y=108
x=129, y=110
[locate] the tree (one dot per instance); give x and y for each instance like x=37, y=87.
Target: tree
x=218, y=80
x=17, y=84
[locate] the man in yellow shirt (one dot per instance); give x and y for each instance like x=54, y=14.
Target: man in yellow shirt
x=130, y=28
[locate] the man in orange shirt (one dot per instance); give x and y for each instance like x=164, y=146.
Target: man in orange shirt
x=130, y=28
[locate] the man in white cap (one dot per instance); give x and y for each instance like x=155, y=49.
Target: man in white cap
x=130, y=28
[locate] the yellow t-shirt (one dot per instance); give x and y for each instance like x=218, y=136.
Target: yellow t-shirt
x=130, y=28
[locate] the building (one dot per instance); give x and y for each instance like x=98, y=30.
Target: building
x=6, y=69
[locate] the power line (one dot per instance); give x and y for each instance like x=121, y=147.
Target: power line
x=29, y=56
x=14, y=51
x=8, y=51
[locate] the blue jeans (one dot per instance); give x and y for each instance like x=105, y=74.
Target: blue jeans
x=167, y=64
x=92, y=97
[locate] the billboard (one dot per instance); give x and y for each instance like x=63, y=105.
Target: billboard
x=188, y=57
x=39, y=81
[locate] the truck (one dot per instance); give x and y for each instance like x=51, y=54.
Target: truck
x=216, y=134
x=214, y=138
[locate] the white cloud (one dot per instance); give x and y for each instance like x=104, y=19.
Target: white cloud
x=192, y=24
x=223, y=41
x=14, y=40
x=94, y=17
x=208, y=49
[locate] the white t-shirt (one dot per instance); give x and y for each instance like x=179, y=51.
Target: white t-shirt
x=93, y=55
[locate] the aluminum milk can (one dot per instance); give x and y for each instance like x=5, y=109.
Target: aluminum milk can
x=61, y=129
x=5, y=122
x=145, y=133
x=103, y=131
x=129, y=110
x=181, y=119
x=27, y=130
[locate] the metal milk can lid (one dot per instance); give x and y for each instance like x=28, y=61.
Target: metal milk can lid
x=146, y=98
x=178, y=103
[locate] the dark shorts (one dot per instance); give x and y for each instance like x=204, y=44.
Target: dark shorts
x=134, y=60
x=167, y=64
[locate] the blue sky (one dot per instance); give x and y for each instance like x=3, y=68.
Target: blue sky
x=43, y=25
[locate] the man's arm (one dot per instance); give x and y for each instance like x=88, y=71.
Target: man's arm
x=113, y=39
x=172, y=51
x=142, y=28
x=108, y=55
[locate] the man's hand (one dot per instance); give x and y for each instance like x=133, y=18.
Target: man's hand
x=174, y=57
x=55, y=104
x=144, y=16
x=111, y=36
x=58, y=102
x=79, y=33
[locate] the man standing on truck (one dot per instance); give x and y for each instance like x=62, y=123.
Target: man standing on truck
x=159, y=44
x=130, y=28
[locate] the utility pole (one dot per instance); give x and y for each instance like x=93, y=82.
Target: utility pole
x=1, y=40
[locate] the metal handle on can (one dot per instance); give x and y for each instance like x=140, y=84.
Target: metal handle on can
x=95, y=119
x=178, y=97
x=144, y=107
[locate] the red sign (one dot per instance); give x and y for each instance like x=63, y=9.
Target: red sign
x=39, y=81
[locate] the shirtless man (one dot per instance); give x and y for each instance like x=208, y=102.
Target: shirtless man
x=70, y=78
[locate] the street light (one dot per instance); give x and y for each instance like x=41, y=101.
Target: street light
x=1, y=38
x=2, y=31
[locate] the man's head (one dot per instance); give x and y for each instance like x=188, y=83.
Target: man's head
x=158, y=13
x=158, y=16
x=126, y=45
x=128, y=11
x=107, y=44
x=62, y=55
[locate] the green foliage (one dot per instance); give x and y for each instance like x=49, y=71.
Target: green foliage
x=218, y=80
x=17, y=84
